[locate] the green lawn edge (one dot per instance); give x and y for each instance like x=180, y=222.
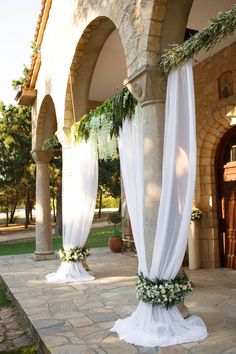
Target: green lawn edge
x=98, y=237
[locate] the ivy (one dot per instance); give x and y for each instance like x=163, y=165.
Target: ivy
x=220, y=27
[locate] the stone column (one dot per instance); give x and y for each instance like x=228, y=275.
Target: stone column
x=43, y=211
x=193, y=246
x=148, y=86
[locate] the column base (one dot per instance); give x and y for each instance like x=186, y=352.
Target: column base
x=183, y=310
x=44, y=256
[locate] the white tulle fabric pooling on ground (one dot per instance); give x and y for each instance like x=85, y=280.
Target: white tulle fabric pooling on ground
x=79, y=190
x=150, y=325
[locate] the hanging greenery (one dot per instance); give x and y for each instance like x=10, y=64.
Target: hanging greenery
x=103, y=123
x=223, y=25
x=51, y=143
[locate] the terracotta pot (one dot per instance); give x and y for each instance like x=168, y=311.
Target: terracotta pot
x=115, y=243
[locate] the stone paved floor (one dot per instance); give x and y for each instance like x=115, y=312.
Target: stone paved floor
x=76, y=317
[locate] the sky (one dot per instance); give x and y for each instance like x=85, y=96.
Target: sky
x=18, y=20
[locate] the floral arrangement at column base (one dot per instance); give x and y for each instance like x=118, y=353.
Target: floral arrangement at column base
x=74, y=254
x=196, y=214
x=166, y=293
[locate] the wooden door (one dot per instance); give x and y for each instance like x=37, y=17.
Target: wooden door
x=225, y=163
x=229, y=213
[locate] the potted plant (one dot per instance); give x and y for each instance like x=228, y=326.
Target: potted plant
x=115, y=242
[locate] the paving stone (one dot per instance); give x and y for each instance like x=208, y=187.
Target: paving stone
x=112, y=344
x=58, y=330
x=147, y=350
x=72, y=349
x=102, y=317
x=54, y=341
x=91, y=305
x=97, y=349
x=176, y=349
x=76, y=340
x=82, y=332
x=46, y=323
x=84, y=313
x=95, y=337
x=82, y=321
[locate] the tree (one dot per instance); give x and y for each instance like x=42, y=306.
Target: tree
x=108, y=179
x=17, y=172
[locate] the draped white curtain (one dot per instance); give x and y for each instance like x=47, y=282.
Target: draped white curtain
x=152, y=325
x=79, y=190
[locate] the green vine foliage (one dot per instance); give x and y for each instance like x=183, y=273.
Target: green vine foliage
x=51, y=143
x=116, y=109
x=220, y=27
x=24, y=79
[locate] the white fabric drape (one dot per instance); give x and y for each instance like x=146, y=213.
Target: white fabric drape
x=153, y=325
x=131, y=149
x=79, y=190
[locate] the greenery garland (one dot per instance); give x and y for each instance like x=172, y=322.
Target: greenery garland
x=115, y=109
x=165, y=293
x=74, y=254
x=223, y=25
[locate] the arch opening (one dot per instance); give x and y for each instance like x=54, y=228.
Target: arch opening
x=46, y=123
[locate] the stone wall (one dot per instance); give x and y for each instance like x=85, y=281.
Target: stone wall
x=212, y=124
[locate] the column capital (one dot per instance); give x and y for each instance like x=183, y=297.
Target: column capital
x=64, y=136
x=147, y=85
x=41, y=156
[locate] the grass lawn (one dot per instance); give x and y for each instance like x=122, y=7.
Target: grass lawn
x=97, y=238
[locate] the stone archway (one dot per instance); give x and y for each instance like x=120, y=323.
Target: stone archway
x=208, y=138
x=46, y=126
x=90, y=47
x=46, y=123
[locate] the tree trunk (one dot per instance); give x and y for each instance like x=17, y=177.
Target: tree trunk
x=12, y=212
x=58, y=230
x=100, y=203
x=54, y=209
x=27, y=208
x=7, y=214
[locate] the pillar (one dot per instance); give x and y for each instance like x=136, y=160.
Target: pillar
x=44, y=248
x=193, y=246
x=148, y=86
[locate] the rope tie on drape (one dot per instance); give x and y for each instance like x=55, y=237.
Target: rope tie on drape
x=79, y=190
x=154, y=325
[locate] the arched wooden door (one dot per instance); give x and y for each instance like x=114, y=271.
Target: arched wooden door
x=226, y=192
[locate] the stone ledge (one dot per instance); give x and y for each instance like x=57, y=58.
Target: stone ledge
x=44, y=257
